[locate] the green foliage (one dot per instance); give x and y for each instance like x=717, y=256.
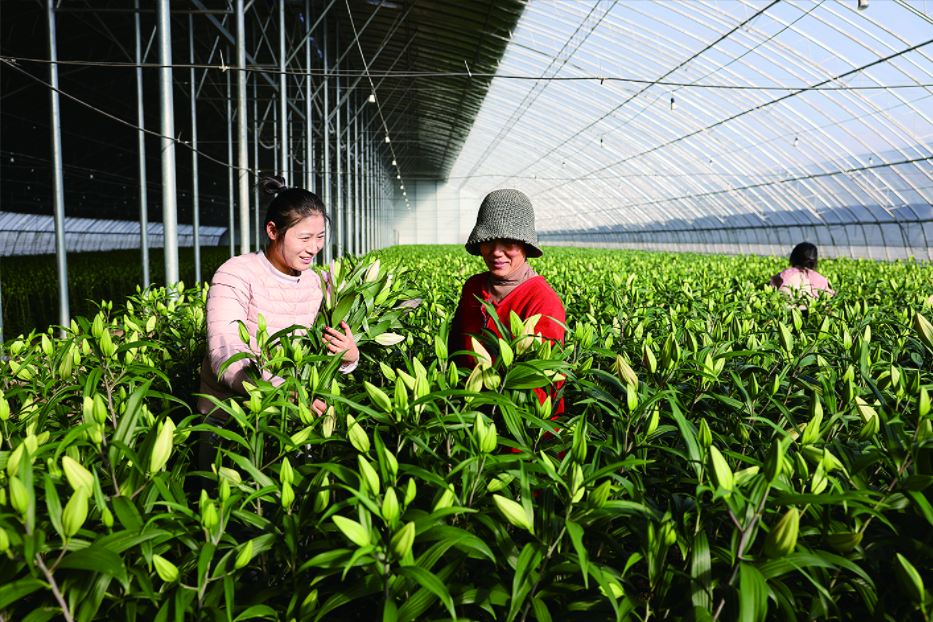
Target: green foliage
x=30, y=285
x=721, y=455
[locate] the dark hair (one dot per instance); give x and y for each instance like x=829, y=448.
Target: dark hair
x=804, y=255
x=290, y=205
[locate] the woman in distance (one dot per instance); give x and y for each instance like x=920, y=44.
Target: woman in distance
x=275, y=282
x=801, y=278
x=505, y=237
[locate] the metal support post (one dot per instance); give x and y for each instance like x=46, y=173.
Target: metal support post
x=231, y=210
x=341, y=224
x=357, y=186
x=195, y=198
x=58, y=186
x=332, y=238
x=283, y=99
x=309, y=108
x=141, y=141
x=242, y=146
x=258, y=233
x=167, y=115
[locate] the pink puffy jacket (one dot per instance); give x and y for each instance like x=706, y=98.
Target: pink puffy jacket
x=242, y=288
x=809, y=282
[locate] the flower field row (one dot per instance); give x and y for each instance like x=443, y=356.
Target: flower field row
x=30, y=285
x=721, y=456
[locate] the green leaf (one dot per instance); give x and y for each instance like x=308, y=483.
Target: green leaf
x=354, y=531
x=753, y=594
x=13, y=591
x=576, y=536
x=96, y=559
x=257, y=612
x=428, y=580
x=700, y=571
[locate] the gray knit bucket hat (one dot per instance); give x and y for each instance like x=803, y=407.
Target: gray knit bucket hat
x=505, y=215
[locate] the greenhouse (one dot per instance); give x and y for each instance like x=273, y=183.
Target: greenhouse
x=247, y=374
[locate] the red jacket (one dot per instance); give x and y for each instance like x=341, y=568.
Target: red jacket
x=532, y=297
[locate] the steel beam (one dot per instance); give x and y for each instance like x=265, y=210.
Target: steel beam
x=167, y=125
x=250, y=60
x=195, y=198
x=242, y=146
x=309, y=107
x=141, y=142
x=284, y=168
x=326, y=180
x=231, y=202
x=258, y=232
x=58, y=191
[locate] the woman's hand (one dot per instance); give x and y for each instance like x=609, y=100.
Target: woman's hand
x=318, y=408
x=340, y=342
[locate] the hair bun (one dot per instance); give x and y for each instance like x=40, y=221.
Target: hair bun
x=272, y=184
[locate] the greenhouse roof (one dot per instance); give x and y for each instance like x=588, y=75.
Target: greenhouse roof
x=616, y=117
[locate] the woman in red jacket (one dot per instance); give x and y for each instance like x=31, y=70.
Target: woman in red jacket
x=505, y=237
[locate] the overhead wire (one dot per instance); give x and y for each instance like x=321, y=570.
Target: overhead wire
x=463, y=74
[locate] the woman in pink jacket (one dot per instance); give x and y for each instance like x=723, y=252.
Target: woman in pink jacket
x=275, y=282
x=802, y=279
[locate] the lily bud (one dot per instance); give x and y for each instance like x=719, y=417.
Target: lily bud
x=411, y=491
x=330, y=421
x=322, y=499
x=812, y=432
x=513, y=512
x=368, y=476
x=106, y=517
x=505, y=352
x=12, y=464
x=378, y=397
x=286, y=473
x=388, y=339
x=446, y=499
x=787, y=340
x=722, y=474
x=390, y=508
x=357, y=435
x=4, y=541
x=774, y=463
x=372, y=273
x=97, y=327
x=704, y=435
x=844, y=542
x=19, y=496
x=653, y=421
x=401, y=543
x=491, y=440
x=631, y=397
x=580, y=445
x=783, y=536
x=924, y=330
x=100, y=409
x=865, y=411
x=245, y=555
x=209, y=517
x=166, y=570
x=649, y=359
x=75, y=513
x=106, y=344
x=78, y=476
x=162, y=448
x=288, y=495
x=479, y=431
